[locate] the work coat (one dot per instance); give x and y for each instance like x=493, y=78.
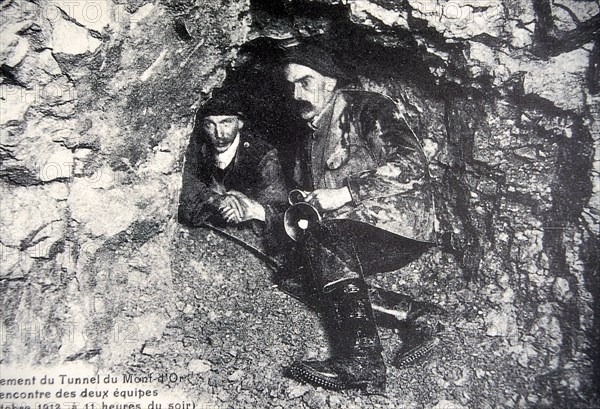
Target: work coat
x=255, y=171
x=361, y=141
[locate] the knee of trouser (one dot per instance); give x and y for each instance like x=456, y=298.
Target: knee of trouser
x=323, y=230
x=314, y=233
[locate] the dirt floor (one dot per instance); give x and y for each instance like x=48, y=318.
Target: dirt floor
x=235, y=334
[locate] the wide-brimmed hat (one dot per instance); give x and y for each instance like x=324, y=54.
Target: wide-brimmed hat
x=310, y=53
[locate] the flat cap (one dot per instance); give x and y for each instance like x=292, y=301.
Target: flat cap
x=224, y=102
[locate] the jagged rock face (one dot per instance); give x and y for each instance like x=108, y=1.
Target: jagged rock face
x=97, y=105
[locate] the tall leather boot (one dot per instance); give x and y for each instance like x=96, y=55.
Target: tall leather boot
x=417, y=322
x=391, y=309
x=419, y=341
x=357, y=362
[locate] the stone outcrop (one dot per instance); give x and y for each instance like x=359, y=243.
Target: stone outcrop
x=97, y=103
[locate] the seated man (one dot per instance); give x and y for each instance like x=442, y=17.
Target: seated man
x=365, y=172
x=230, y=177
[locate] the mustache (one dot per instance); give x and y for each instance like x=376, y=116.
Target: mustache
x=304, y=105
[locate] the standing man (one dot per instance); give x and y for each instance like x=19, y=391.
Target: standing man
x=231, y=177
x=367, y=175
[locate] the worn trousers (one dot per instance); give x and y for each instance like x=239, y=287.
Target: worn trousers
x=338, y=250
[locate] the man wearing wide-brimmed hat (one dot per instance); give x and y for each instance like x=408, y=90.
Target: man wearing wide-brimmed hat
x=364, y=170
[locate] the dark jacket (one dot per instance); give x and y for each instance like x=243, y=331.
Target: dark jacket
x=254, y=171
x=362, y=142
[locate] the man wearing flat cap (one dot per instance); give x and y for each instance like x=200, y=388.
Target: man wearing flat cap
x=365, y=172
x=231, y=177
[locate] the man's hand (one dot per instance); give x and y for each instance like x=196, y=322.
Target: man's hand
x=239, y=208
x=329, y=199
x=229, y=209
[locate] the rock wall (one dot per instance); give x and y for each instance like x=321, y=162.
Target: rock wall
x=97, y=104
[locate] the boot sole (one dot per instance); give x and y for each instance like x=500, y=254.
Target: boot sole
x=306, y=374
x=416, y=355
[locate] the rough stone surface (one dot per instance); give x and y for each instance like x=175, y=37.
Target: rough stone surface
x=96, y=110
x=92, y=15
x=91, y=164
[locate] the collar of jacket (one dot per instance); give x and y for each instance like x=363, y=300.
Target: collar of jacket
x=225, y=158
x=316, y=122
x=246, y=140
